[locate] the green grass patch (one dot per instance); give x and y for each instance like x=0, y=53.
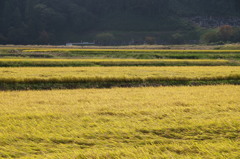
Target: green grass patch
x=113, y=62
x=71, y=83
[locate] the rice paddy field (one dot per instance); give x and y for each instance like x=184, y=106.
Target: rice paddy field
x=161, y=122
x=101, y=53
x=28, y=73
x=100, y=77
x=69, y=103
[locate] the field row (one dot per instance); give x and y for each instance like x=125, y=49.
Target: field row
x=118, y=72
x=132, y=50
x=140, y=54
x=85, y=77
x=122, y=53
x=113, y=62
x=110, y=60
x=181, y=122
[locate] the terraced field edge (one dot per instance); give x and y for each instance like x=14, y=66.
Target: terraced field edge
x=43, y=84
x=45, y=63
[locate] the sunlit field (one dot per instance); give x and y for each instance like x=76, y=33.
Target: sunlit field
x=161, y=122
x=25, y=73
x=177, y=104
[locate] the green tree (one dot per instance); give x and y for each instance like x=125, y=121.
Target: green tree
x=210, y=37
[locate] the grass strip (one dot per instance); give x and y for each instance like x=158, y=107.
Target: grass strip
x=110, y=62
x=132, y=50
x=99, y=82
x=123, y=53
x=148, y=54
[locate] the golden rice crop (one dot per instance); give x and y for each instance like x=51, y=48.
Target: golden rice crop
x=117, y=73
x=162, y=122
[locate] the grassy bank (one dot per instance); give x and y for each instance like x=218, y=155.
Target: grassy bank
x=162, y=122
x=130, y=50
x=141, y=54
x=111, y=62
x=110, y=83
x=120, y=53
x=105, y=77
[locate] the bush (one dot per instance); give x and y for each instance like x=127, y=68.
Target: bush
x=105, y=37
x=209, y=37
x=150, y=40
x=177, y=38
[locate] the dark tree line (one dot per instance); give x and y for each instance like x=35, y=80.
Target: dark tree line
x=46, y=21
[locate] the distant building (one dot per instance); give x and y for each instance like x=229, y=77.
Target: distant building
x=80, y=44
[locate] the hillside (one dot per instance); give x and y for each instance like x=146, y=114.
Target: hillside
x=114, y=22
